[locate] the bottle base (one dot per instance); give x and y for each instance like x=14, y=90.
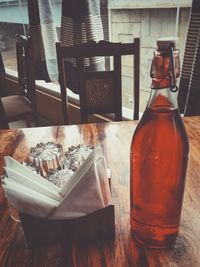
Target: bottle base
x=154, y=236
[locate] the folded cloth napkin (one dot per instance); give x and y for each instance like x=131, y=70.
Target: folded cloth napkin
x=19, y=168
x=26, y=181
x=27, y=200
x=90, y=193
x=85, y=192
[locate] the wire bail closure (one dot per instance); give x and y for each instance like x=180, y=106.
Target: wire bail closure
x=173, y=86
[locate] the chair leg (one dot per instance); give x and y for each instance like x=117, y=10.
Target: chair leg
x=28, y=120
x=28, y=123
x=35, y=119
x=84, y=117
x=118, y=116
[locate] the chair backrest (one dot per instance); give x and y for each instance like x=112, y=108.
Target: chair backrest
x=100, y=91
x=25, y=68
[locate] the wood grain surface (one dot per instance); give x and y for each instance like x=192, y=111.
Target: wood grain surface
x=115, y=139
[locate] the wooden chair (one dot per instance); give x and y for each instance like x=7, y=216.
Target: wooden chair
x=22, y=106
x=100, y=92
x=3, y=120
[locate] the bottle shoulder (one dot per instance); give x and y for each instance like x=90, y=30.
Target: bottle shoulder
x=161, y=126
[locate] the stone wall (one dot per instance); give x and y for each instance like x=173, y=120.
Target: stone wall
x=148, y=25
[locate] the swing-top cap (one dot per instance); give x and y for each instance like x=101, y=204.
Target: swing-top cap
x=164, y=43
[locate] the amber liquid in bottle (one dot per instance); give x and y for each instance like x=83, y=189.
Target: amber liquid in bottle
x=159, y=156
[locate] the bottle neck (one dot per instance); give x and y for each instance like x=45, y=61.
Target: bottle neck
x=162, y=99
x=165, y=69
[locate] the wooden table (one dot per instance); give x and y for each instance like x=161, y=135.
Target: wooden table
x=115, y=140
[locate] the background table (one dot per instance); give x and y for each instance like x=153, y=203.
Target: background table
x=115, y=139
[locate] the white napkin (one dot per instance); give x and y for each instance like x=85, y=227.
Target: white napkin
x=85, y=192
x=84, y=198
x=19, y=168
x=28, y=201
x=26, y=181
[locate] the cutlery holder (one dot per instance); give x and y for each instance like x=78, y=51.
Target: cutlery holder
x=43, y=232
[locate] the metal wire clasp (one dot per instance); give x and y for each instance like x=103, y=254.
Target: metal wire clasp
x=173, y=86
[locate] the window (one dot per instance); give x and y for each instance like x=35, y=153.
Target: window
x=13, y=20
x=146, y=19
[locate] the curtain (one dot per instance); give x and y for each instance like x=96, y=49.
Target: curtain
x=82, y=21
x=189, y=92
x=43, y=35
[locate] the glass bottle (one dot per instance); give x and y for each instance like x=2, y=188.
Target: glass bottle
x=159, y=156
